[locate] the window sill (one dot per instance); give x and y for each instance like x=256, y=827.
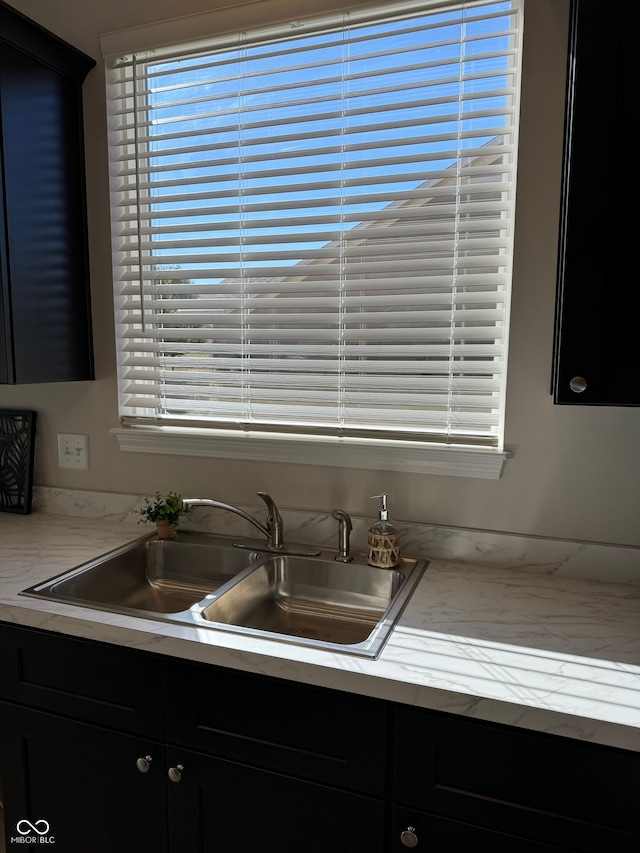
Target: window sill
x=376, y=455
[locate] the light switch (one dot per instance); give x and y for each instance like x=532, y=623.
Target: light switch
x=73, y=451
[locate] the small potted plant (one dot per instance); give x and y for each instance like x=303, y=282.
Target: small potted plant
x=164, y=512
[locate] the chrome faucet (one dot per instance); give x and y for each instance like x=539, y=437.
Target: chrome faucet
x=273, y=529
x=344, y=529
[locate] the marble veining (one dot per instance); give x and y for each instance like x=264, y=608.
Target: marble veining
x=539, y=651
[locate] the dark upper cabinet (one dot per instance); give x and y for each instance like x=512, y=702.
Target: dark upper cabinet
x=597, y=357
x=45, y=322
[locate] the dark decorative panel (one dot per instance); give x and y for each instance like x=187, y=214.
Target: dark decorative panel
x=17, y=444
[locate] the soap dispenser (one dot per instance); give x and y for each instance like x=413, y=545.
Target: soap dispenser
x=383, y=539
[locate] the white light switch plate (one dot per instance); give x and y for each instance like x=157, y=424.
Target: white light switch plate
x=73, y=451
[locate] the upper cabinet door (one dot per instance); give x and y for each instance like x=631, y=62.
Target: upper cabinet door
x=45, y=332
x=597, y=352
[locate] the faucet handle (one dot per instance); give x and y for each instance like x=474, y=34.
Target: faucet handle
x=274, y=521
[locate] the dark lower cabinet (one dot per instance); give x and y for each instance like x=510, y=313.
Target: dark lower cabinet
x=110, y=750
x=77, y=786
x=94, y=756
x=108, y=792
x=537, y=792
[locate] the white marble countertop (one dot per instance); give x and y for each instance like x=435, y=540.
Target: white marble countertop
x=544, y=653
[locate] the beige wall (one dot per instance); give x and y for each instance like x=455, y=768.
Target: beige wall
x=575, y=470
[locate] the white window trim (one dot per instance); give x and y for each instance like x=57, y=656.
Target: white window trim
x=372, y=454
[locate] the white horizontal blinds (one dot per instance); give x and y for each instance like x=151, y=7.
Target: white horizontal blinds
x=312, y=230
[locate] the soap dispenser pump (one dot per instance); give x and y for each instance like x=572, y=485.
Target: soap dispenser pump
x=383, y=539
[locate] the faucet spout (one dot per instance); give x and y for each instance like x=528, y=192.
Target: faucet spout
x=273, y=529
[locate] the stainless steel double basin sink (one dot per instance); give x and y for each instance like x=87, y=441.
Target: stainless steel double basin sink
x=227, y=584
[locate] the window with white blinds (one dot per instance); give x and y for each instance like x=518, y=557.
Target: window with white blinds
x=312, y=224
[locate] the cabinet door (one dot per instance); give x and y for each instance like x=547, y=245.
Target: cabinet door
x=79, y=785
x=222, y=807
x=45, y=324
x=48, y=324
x=597, y=358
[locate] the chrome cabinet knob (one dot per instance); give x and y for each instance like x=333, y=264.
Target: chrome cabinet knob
x=408, y=837
x=143, y=764
x=175, y=773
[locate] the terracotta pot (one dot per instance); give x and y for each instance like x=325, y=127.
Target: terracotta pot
x=165, y=530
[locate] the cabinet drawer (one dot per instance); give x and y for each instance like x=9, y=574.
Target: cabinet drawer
x=308, y=732
x=441, y=835
x=86, y=680
x=578, y=796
